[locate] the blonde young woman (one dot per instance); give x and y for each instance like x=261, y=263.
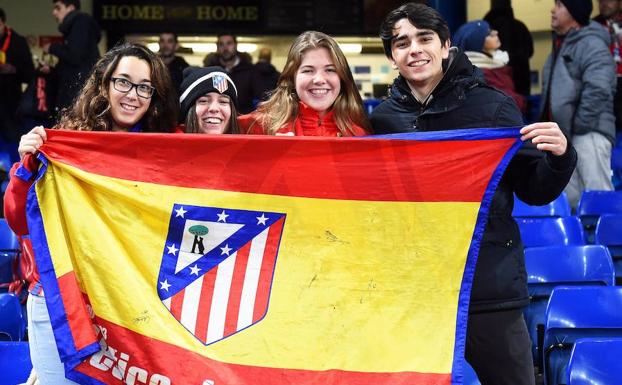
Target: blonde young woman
x=315, y=95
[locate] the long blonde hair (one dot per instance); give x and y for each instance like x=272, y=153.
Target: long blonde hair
x=282, y=106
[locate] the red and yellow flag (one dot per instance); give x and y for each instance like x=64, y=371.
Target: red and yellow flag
x=230, y=260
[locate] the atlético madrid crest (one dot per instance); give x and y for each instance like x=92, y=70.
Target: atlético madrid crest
x=217, y=268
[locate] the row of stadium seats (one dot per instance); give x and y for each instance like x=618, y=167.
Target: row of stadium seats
x=582, y=337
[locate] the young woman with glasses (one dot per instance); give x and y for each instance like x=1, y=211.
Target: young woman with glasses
x=129, y=89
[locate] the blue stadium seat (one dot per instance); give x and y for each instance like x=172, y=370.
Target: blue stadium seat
x=470, y=378
x=12, y=320
x=15, y=362
x=9, y=251
x=609, y=233
x=595, y=361
x=548, y=267
x=370, y=104
x=576, y=312
x=593, y=204
x=5, y=161
x=558, y=208
x=538, y=232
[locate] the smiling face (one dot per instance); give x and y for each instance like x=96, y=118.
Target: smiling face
x=127, y=108
x=317, y=81
x=213, y=112
x=418, y=55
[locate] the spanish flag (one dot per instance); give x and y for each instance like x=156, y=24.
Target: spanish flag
x=247, y=260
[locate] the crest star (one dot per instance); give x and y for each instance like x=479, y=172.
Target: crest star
x=226, y=249
x=180, y=212
x=262, y=220
x=222, y=216
x=172, y=249
x=195, y=270
x=165, y=285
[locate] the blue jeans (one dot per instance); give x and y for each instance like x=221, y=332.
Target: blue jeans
x=43, y=352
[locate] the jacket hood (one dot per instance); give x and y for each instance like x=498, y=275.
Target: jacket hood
x=592, y=29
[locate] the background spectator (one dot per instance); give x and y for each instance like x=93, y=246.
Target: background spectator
x=175, y=64
x=481, y=45
x=77, y=54
x=239, y=66
x=267, y=75
x=515, y=40
x=578, y=84
x=611, y=18
x=16, y=68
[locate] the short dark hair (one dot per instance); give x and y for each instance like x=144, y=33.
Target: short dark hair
x=75, y=3
x=235, y=39
x=419, y=15
x=2, y=15
x=170, y=33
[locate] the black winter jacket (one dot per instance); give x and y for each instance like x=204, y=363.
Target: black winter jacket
x=463, y=100
x=76, y=55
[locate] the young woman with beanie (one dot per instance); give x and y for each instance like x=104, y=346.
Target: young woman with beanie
x=209, y=101
x=128, y=90
x=315, y=95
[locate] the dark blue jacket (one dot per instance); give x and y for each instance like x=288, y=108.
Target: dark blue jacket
x=463, y=100
x=76, y=55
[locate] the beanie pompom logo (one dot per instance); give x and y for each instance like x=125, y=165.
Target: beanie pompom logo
x=220, y=83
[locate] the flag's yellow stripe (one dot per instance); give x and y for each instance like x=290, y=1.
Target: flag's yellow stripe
x=363, y=286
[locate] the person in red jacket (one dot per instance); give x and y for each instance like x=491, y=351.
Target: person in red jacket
x=481, y=45
x=315, y=96
x=128, y=90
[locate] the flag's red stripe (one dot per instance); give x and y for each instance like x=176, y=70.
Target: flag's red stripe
x=205, y=304
x=267, y=269
x=184, y=367
x=304, y=167
x=177, y=302
x=75, y=309
x=235, y=292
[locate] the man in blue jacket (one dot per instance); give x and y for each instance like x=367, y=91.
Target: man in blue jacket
x=77, y=54
x=439, y=89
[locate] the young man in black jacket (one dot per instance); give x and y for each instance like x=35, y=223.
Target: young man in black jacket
x=439, y=89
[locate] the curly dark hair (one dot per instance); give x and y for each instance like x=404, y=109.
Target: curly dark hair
x=91, y=110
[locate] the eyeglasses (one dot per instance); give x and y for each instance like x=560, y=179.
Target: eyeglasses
x=124, y=85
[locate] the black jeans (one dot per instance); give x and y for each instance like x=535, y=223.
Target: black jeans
x=499, y=349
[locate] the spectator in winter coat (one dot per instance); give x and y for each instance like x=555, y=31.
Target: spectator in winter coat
x=481, y=45
x=16, y=68
x=578, y=84
x=438, y=89
x=77, y=53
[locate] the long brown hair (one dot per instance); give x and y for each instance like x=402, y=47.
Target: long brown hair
x=91, y=110
x=282, y=106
